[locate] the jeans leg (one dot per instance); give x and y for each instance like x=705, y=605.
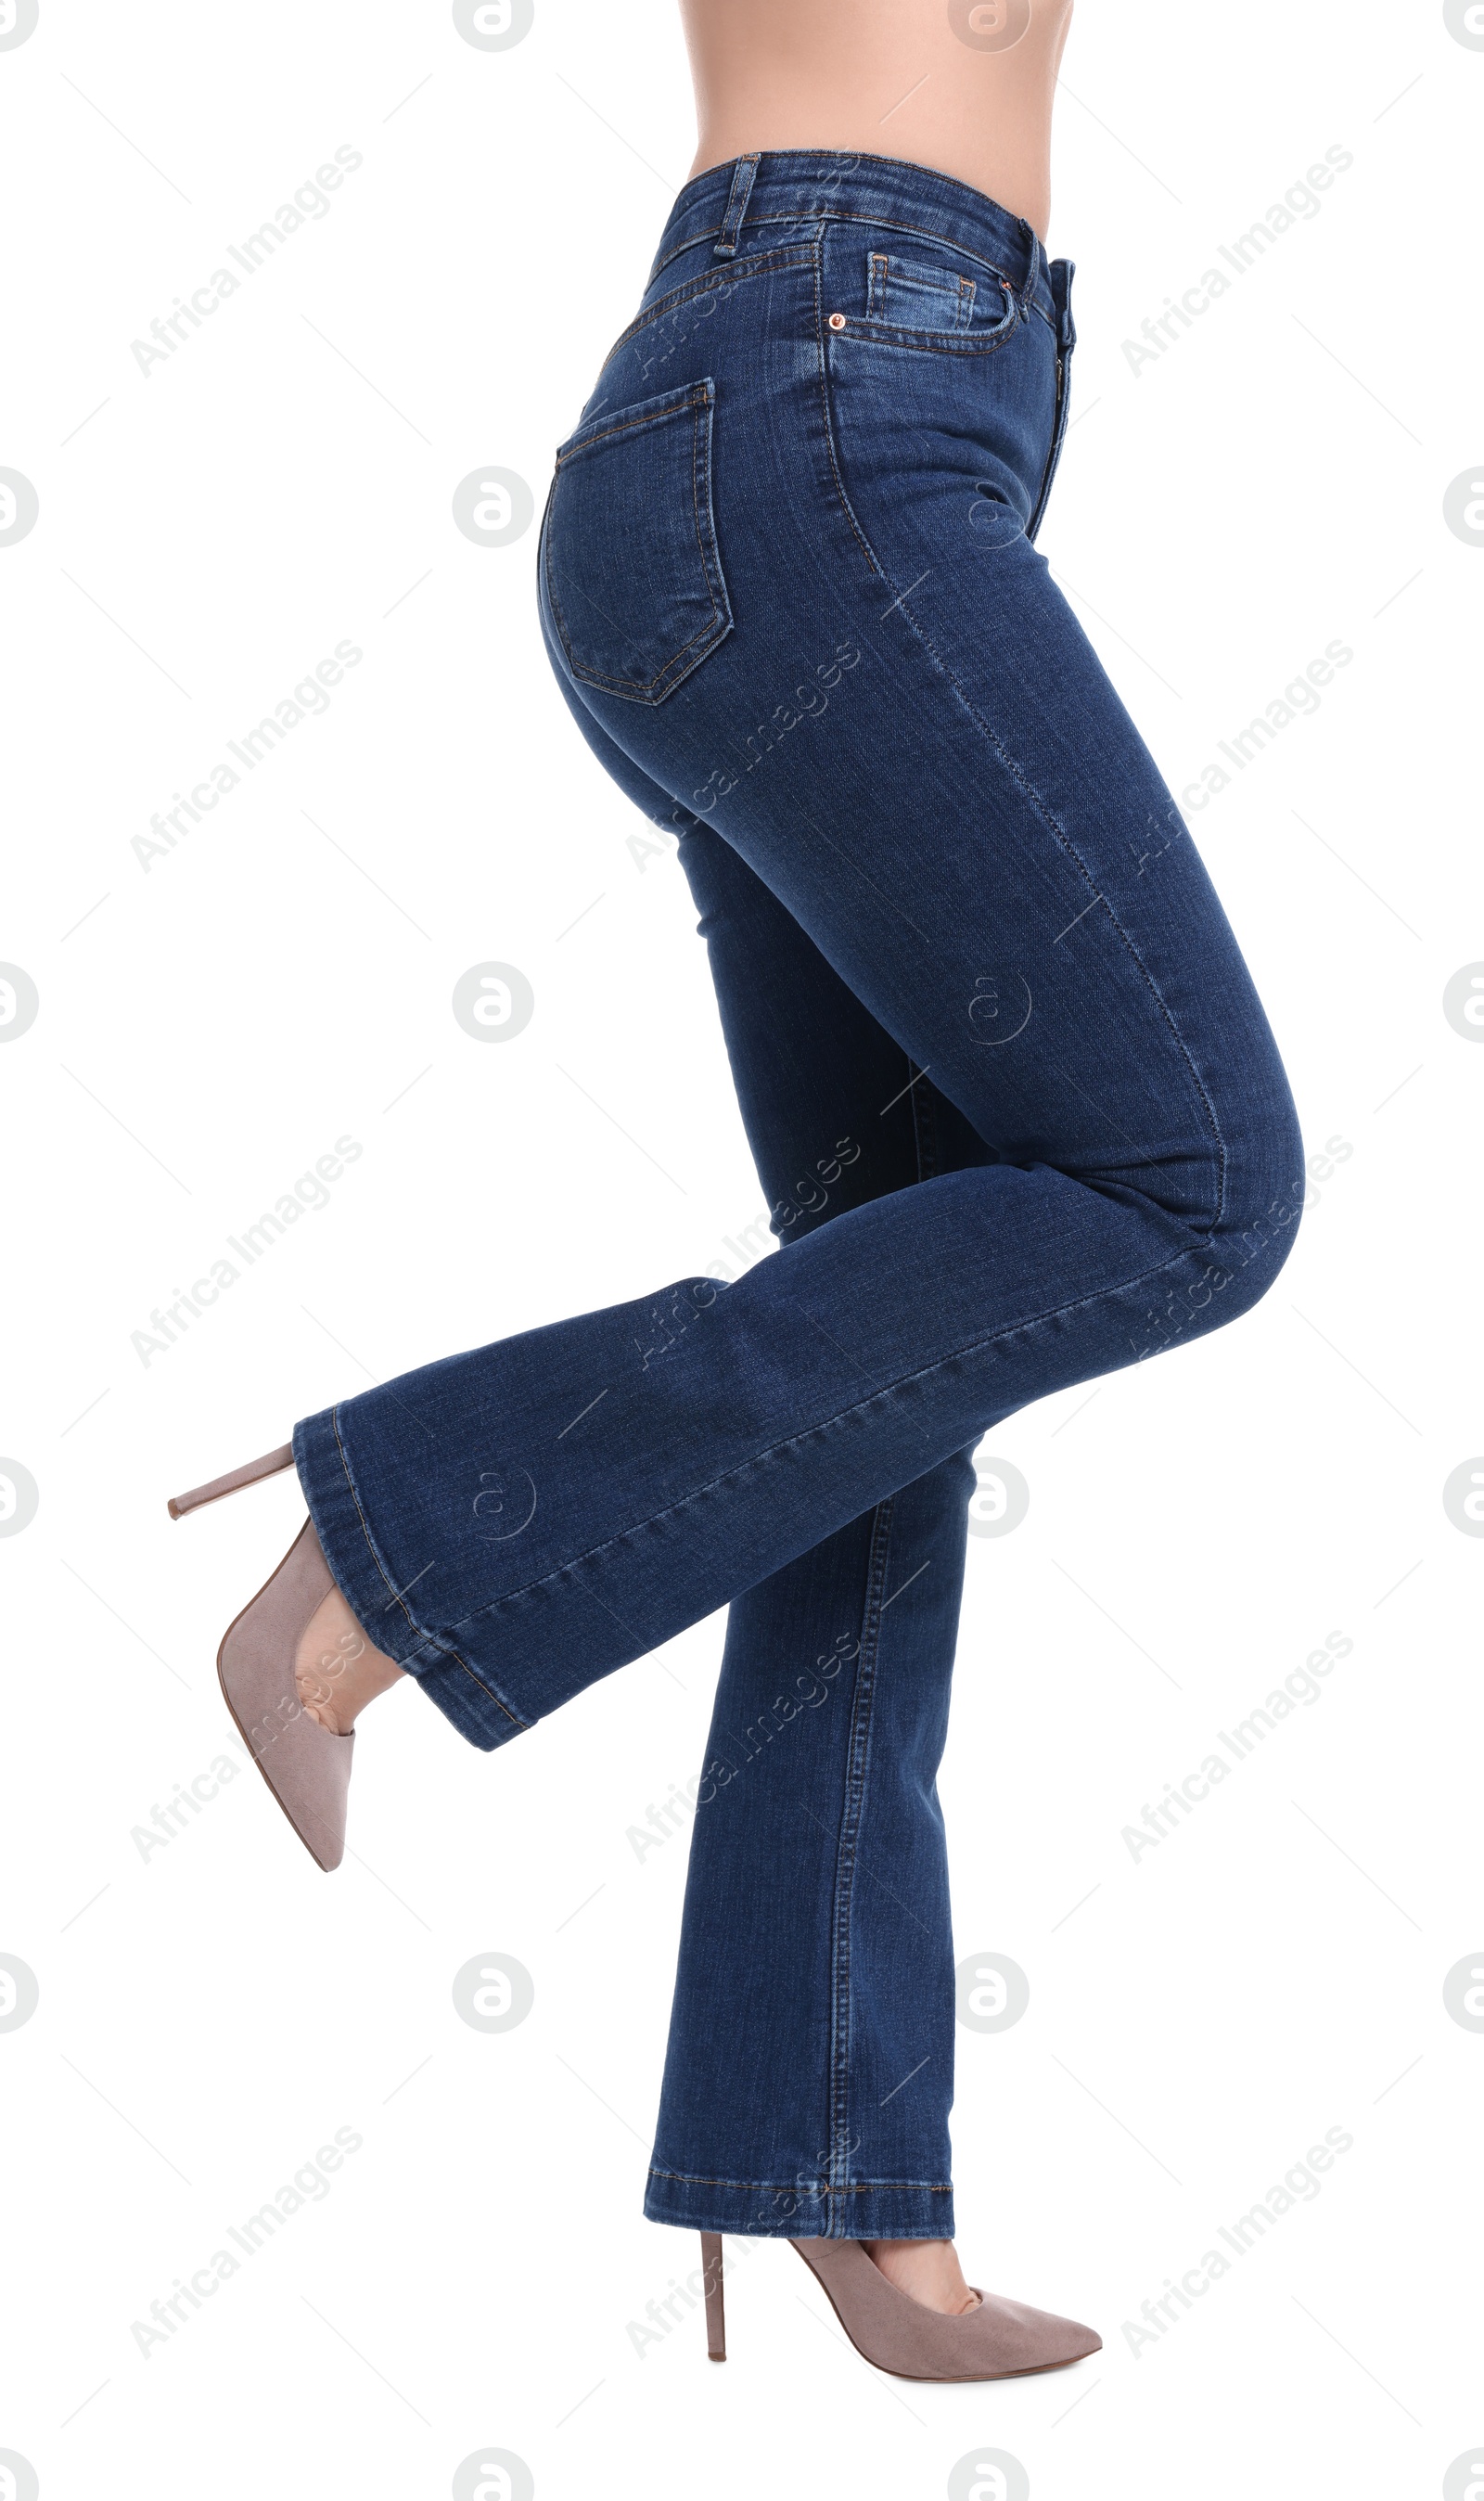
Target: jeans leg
x=809, y=2072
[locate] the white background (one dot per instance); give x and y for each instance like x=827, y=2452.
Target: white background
x=210, y=2015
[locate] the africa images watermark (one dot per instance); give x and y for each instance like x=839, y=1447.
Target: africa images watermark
x=672, y=2306
x=814, y=701
x=1300, y=2182
x=311, y=2185
x=174, y=1816
x=169, y=826
x=311, y=1192
x=1301, y=1687
x=811, y=1690
x=311, y=202
x=1301, y=202
x=1299, y=699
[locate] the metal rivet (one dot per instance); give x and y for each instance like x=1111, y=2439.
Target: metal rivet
x=837, y=320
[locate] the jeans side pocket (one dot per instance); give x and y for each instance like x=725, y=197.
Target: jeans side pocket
x=629, y=556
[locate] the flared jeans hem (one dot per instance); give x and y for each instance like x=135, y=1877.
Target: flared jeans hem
x=385, y=1614
x=868, y=2210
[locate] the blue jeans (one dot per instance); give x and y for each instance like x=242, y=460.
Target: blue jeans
x=1012, y=1096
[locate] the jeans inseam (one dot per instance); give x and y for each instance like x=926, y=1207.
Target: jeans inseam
x=852, y=1816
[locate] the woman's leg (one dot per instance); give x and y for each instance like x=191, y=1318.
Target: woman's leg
x=810, y=2067
x=810, y=2073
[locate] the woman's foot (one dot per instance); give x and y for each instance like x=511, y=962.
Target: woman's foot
x=336, y=1670
x=927, y=2271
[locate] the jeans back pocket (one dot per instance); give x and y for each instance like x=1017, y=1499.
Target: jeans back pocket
x=629, y=556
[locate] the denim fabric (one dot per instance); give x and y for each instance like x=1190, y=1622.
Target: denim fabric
x=1014, y=1102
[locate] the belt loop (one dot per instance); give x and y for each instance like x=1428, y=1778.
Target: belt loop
x=1031, y=242
x=737, y=208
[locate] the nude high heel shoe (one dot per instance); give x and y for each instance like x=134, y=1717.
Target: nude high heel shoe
x=306, y=1767
x=1000, y=2340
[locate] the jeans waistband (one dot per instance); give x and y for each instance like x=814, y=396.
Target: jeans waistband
x=738, y=204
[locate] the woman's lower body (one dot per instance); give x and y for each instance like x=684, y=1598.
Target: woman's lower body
x=1010, y=1093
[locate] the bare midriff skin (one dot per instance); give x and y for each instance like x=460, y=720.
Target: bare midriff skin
x=965, y=87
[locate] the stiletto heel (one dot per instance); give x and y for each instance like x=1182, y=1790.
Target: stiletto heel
x=306, y=1768
x=716, y=2305
x=998, y=2340
x=180, y=1503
